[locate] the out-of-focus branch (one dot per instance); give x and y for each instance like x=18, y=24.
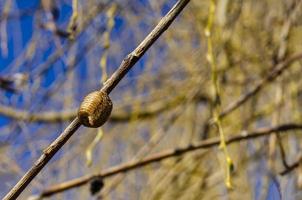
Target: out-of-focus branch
x=271, y=76
x=56, y=55
x=166, y=154
x=109, y=85
x=19, y=14
x=3, y=28
x=277, y=71
x=150, y=111
x=51, y=116
x=290, y=168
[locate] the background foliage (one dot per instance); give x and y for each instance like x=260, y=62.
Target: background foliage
x=51, y=57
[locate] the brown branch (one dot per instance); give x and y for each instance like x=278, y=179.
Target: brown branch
x=282, y=151
x=291, y=167
x=205, y=144
x=277, y=71
x=112, y=82
x=67, y=115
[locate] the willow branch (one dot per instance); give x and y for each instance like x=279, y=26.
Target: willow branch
x=205, y=144
x=277, y=71
x=290, y=168
x=150, y=111
x=109, y=85
x=53, y=117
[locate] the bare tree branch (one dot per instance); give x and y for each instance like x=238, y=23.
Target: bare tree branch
x=53, y=117
x=277, y=71
x=290, y=168
x=125, y=167
x=67, y=115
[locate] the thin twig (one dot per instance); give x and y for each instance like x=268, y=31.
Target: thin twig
x=125, y=167
x=291, y=167
x=125, y=66
x=277, y=71
x=282, y=151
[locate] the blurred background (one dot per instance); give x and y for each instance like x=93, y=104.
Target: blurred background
x=53, y=53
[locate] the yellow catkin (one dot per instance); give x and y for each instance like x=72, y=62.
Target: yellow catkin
x=72, y=26
x=110, y=23
x=216, y=90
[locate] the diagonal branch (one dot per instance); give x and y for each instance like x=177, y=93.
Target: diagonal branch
x=277, y=71
x=205, y=144
x=109, y=85
x=290, y=168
